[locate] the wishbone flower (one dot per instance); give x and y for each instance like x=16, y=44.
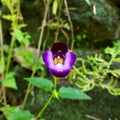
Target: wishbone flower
x=59, y=60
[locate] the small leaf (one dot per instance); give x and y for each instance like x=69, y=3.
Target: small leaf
x=94, y=9
x=88, y=2
x=117, y=45
x=26, y=40
x=7, y=17
x=72, y=93
x=10, y=81
x=67, y=26
x=116, y=59
x=6, y=48
x=79, y=37
x=41, y=83
x=18, y=35
x=84, y=36
x=55, y=7
x=14, y=113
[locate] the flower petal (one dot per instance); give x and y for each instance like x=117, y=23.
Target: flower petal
x=59, y=70
x=70, y=58
x=48, y=58
x=59, y=46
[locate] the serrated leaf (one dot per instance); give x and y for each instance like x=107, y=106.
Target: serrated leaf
x=10, y=81
x=14, y=113
x=41, y=83
x=54, y=7
x=72, y=93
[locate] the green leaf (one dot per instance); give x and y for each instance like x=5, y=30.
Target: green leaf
x=7, y=17
x=55, y=7
x=14, y=113
x=79, y=37
x=116, y=59
x=26, y=39
x=6, y=48
x=10, y=80
x=117, y=45
x=72, y=93
x=41, y=83
x=18, y=35
x=67, y=26
x=84, y=36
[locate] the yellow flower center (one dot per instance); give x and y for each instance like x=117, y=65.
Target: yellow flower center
x=58, y=60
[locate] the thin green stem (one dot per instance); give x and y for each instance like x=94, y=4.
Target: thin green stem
x=55, y=83
x=57, y=32
x=26, y=95
x=53, y=95
x=10, y=53
x=45, y=106
x=3, y=63
x=38, y=51
x=1, y=46
x=14, y=25
x=27, y=92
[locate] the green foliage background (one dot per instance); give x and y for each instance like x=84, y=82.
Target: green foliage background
x=90, y=28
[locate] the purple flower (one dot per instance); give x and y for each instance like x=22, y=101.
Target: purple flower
x=59, y=60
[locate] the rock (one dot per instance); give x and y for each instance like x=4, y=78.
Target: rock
x=101, y=24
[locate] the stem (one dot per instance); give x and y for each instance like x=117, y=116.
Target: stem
x=4, y=95
x=50, y=99
x=57, y=32
x=10, y=54
x=65, y=34
x=3, y=63
x=45, y=106
x=60, y=2
x=27, y=92
x=38, y=51
x=55, y=83
x=14, y=25
x=42, y=29
x=44, y=44
x=71, y=25
x=26, y=95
